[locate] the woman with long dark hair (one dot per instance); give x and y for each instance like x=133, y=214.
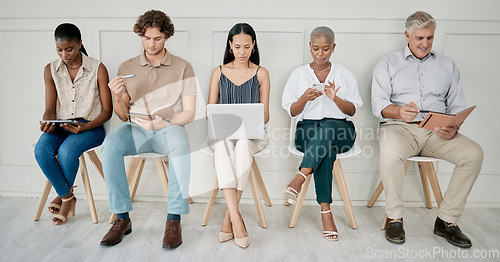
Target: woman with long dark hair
x=239, y=80
x=76, y=89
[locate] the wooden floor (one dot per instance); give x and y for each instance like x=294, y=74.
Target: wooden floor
x=22, y=239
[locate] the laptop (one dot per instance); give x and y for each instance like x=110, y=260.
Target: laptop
x=235, y=121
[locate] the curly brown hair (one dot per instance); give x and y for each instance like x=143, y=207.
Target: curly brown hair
x=154, y=18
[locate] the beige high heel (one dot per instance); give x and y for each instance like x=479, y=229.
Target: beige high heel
x=223, y=236
x=55, y=204
x=70, y=213
x=242, y=242
x=291, y=193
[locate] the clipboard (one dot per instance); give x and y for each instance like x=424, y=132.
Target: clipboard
x=435, y=119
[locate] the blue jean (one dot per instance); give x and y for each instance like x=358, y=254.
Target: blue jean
x=130, y=139
x=68, y=148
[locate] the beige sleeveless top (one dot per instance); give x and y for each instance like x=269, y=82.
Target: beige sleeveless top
x=80, y=98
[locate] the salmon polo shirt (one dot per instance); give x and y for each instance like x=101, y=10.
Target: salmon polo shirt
x=156, y=86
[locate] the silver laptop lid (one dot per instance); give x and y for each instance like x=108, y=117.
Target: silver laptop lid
x=235, y=121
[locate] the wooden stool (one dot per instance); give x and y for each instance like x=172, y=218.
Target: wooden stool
x=256, y=185
x=134, y=173
x=86, y=183
x=337, y=172
x=427, y=172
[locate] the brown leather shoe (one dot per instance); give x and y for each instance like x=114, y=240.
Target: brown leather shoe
x=115, y=234
x=172, y=237
x=394, y=231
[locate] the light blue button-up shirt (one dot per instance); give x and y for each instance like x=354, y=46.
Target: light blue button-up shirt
x=432, y=83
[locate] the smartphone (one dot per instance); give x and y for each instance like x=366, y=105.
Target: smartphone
x=128, y=76
x=319, y=87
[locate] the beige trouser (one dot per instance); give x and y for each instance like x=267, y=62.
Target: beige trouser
x=399, y=141
x=233, y=160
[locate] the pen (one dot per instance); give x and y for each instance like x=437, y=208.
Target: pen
x=128, y=76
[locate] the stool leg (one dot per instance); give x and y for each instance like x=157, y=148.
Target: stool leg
x=300, y=200
x=256, y=199
x=210, y=202
x=384, y=223
x=88, y=189
x=135, y=180
x=43, y=200
x=95, y=160
x=260, y=183
x=376, y=194
x=425, y=185
x=431, y=175
x=162, y=174
x=339, y=176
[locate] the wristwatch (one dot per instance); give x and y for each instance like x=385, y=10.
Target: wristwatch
x=168, y=121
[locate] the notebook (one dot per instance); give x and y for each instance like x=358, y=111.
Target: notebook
x=235, y=121
x=434, y=119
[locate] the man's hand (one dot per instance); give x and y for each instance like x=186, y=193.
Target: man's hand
x=445, y=133
x=117, y=87
x=155, y=124
x=408, y=112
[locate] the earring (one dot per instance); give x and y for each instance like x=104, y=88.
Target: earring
x=230, y=50
x=253, y=50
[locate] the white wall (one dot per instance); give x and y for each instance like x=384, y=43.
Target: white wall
x=468, y=31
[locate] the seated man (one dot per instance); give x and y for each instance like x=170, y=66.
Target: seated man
x=161, y=79
x=404, y=83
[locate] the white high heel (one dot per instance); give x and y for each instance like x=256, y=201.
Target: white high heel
x=291, y=193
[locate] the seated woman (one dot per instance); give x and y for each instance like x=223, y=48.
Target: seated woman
x=76, y=89
x=322, y=128
x=239, y=80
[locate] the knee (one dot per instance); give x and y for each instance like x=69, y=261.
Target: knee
x=178, y=146
x=471, y=155
x=67, y=154
x=42, y=152
x=112, y=142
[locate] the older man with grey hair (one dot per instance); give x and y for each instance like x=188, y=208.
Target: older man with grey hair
x=406, y=83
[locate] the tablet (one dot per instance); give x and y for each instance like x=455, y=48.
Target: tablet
x=60, y=121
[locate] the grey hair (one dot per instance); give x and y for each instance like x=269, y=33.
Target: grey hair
x=323, y=30
x=419, y=20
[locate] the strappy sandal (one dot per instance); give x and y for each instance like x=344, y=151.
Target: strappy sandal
x=330, y=235
x=70, y=213
x=55, y=205
x=291, y=193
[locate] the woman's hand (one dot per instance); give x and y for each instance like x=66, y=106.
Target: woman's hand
x=47, y=127
x=311, y=94
x=331, y=91
x=155, y=124
x=76, y=127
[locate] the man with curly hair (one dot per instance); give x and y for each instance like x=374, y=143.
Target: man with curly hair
x=155, y=95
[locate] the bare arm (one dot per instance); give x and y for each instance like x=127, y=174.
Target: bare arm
x=309, y=95
x=265, y=88
x=50, y=101
x=213, y=94
x=345, y=106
